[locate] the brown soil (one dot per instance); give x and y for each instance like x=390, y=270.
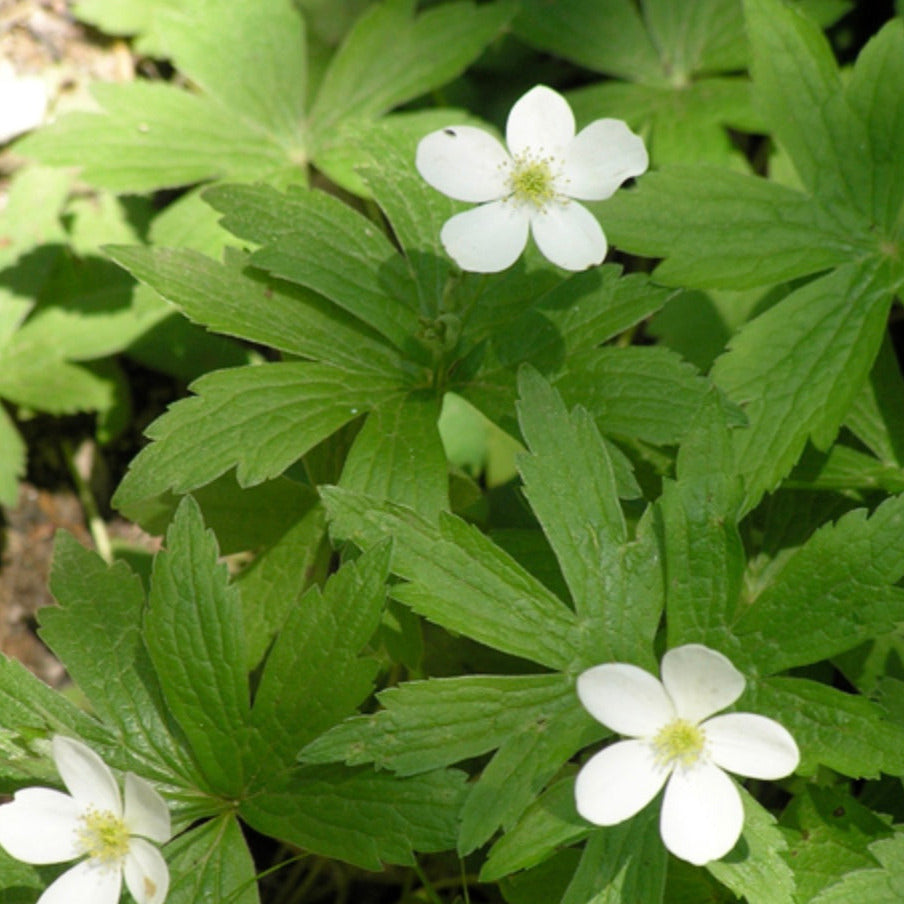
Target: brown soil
x=25, y=570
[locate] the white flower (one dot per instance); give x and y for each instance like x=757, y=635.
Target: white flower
x=41, y=825
x=702, y=814
x=532, y=187
x=23, y=102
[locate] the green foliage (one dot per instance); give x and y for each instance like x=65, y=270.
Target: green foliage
x=881, y=885
x=362, y=634
x=633, y=864
x=95, y=604
x=212, y=859
x=460, y=579
x=267, y=127
x=61, y=310
x=282, y=409
x=830, y=328
x=678, y=68
x=833, y=834
x=179, y=659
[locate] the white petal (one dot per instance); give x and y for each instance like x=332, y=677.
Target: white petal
x=86, y=775
x=569, y=236
x=702, y=814
x=625, y=698
x=618, y=782
x=39, y=826
x=700, y=681
x=24, y=103
x=87, y=882
x=488, y=238
x=751, y=745
x=601, y=158
x=541, y=122
x=146, y=812
x=147, y=876
x=464, y=163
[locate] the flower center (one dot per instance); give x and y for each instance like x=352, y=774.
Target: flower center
x=680, y=743
x=103, y=836
x=532, y=180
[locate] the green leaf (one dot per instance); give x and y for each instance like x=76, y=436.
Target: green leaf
x=240, y=301
x=702, y=35
x=873, y=96
x=622, y=863
x=878, y=886
x=550, y=823
x=607, y=36
x=128, y=17
x=390, y=57
x=720, y=229
x=40, y=379
x=845, y=732
x=825, y=12
x=12, y=459
x=835, y=831
x=101, y=608
x=544, y=883
x=575, y=316
x=704, y=554
x=30, y=218
x=190, y=223
x=180, y=349
x=398, y=456
x=799, y=86
x=830, y=594
x=646, y=393
x=87, y=310
x=570, y=485
x=520, y=769
x=683, y=124
x=244, y=519
x=21, y=882
x=316, y=653
x=31, y=709
x=257, y=419
x=844, y=468
x=273, y=583
x=877, y=669
x=697, y=325
x=796, y=369
x=152, y=135
x=211, y=862
x=876, y=415
x=688, y=884
x=316, y=240
x=415, y=210
x=756, y=869
x=217, y=45
x=333, y=811
x=461, y=580
x=429, y=724
x=193, y=632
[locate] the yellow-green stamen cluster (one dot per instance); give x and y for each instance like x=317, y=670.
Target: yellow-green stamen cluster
x=532, y=181
x=103, y=836
x=680, y=743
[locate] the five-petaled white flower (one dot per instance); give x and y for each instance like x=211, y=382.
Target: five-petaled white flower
x=702, y=814
x=42, y=825
x=531, y=188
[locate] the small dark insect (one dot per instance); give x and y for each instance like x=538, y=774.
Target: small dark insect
x=450, y=132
